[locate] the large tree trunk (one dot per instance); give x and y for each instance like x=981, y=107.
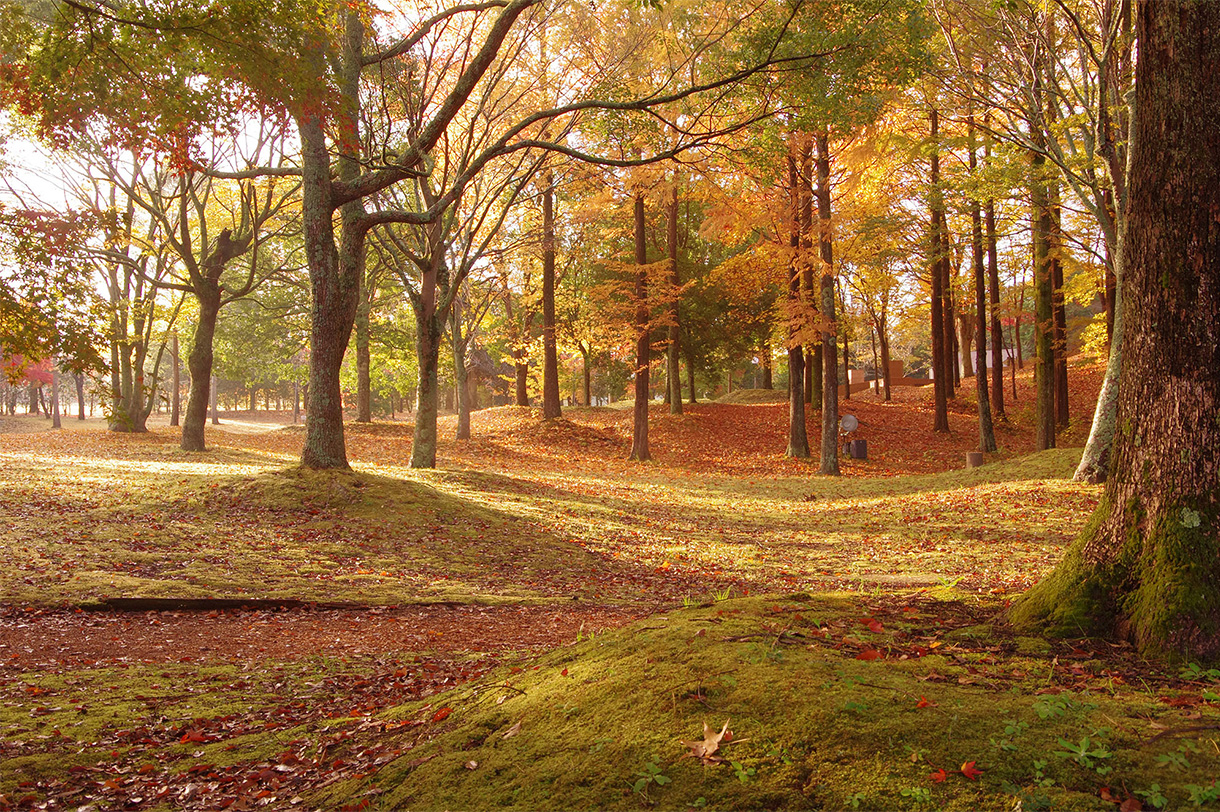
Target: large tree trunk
x=643, y=349
x=997, y=330
x=805, y=262
x=199, y=364
x=673, y=377
x=427, y=350
x=830, y=360
x=941, y=374
x=550, y=357
x=1146, y=567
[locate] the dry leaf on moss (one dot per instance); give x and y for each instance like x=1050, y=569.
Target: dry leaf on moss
x=705, y=750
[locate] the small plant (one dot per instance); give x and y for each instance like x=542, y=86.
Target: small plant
x=854, y=707
x=920, y=795
x=855, y=799
x=1153, y=796
x=722, y=594
x=1084, y=753
x=744, y=774
x=1012, y=730
x=1203, y=795
x=1049, y=707
x=1177, y=760
x=599, y=745
x=1194, y=671
x=1040, y=774
x=949, y=583
x=650, y=775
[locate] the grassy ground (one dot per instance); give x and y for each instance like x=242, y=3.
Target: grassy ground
x=844, y=629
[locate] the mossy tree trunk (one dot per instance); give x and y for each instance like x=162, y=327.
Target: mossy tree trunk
x=1147, y=568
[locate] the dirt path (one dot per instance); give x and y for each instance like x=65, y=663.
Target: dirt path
x=47, y=638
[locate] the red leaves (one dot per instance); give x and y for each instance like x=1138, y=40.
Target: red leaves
x=970, y=771
x=194, y=735
x=938, y=777
x=924, y=702
x=441, y=715
x=870, y=654
x=873, y=624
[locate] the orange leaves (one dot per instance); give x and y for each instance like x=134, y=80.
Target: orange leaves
x=441, y=715
x=870, y=654
x=970, y=771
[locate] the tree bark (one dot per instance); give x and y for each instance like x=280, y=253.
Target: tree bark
x=364, y=384
x=427, y=353
x=55, y=419
x=940, y=365
x=673, y=376
x=80, y=396
x=643, y=349
x=1146, y=566
x=1044, y=327
x=830, y=361
x=986, y=429
x=461, y=383
x=798, y=437
x=690, y=378
x=1058, y=310
x=199, y=364
x=997, y=330
x=175, y=411
x=550, y=358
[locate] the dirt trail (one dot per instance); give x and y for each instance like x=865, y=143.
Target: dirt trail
x=36, y=639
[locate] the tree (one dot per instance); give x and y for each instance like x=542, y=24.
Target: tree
x=1146, y=566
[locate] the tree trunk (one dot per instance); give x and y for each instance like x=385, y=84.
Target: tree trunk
x=940, y=365
x=550, y=357
x=587, y=376
x=80, y=395
x=690, y=378
x=798, y=437
x=673, y=376
x=884, y=341
x=767, y=366
x=1146, y=566
x=965, y=323
x=1058, y=310
x=830, y=360
x=199, y=364
x=952, y=353
x=175, y=411
x=1044, y=327
x=997, y=330
x=805, y=262
x=643, y=349
x=986, y=430
x=427, y=349
x=55, y=420
x=364, y=385
x=461, y=385
x=213, y=398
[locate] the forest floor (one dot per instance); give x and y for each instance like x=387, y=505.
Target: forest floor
x=540, y=623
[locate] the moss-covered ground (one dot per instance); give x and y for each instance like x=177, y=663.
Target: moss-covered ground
x=844, y=629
